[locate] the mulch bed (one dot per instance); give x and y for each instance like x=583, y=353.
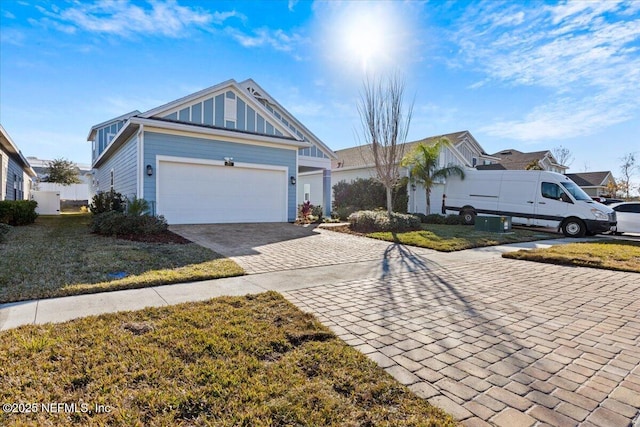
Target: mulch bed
x=166, y=237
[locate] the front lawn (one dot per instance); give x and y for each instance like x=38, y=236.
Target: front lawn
x=448, y=238
x=241, y=361
x=58, y=256
x=611, y=255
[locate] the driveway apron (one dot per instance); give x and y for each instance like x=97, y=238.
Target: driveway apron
x=490, y=340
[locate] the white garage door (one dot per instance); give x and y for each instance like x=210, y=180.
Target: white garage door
x=194, y=193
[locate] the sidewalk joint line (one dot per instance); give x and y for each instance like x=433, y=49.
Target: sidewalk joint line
x=35, y=315
x=161, y=297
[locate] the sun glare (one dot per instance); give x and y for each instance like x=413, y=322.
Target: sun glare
x=364, y=40
x=366, y=37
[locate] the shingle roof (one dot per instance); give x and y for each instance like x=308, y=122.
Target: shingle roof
x=517, y=160
x=589, y=179
x=361, y=155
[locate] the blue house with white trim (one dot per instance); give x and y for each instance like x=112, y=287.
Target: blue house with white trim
x=228, y=153
x=16, y=174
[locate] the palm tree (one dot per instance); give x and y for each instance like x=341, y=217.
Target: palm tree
x=422, y=162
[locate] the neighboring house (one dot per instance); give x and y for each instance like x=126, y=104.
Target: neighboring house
x=228, y=153
x=16, y=174
x=357, y=162
x=82, y=191
x=595, y=184
x=511, y=159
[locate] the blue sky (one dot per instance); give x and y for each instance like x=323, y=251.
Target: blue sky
x=524, y=75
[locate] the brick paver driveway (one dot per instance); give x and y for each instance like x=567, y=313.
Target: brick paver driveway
x=492, y=341
x=262, y=248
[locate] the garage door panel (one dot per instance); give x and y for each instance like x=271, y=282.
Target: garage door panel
x=199, y=194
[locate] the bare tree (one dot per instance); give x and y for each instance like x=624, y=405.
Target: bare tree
x=385, y=128
x=563, y=155
x=628, y=169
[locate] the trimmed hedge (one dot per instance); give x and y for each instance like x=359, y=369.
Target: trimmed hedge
x=372, y=221
x=440, y=219
x=114, y=223
x=18, y=212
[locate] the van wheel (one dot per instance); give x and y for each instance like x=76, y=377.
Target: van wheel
x=468, y=216
x=573, y=227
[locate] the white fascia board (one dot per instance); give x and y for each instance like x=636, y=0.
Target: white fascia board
x=314, y=162
x=291, y=118
x=125, y=132
x=316, y=172
x=12, y=148
x=458, y=156
x=178, y=104
x=234, y=136
x=94, y=128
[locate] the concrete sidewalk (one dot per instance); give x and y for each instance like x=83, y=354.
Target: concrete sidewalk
x=400, y=259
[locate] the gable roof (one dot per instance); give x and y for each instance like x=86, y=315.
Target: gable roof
x=124, y=117
x=230, y=84
x=258, y=92
x=513, y=159
x=7, y=144
x=590, y=179
x=361, y=156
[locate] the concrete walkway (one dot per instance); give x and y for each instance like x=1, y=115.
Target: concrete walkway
x=492, y=341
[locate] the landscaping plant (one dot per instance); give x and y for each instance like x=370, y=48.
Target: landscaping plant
x=372, y=221
x=18, y=212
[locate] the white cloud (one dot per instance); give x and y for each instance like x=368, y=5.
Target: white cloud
x=9, y=15
x=584, y=52
x=123, y=18
x=261, y=37
x=564, y=118
x=292, y=4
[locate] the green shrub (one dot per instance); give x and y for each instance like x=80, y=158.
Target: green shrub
x=18, y=212
x=454, y=220
x=371, y=221
x=316, y=211
x=4, y=230
x=343, y=213
x=108, y=201
x=114, y=223
x=367, y=194
x=137, y=207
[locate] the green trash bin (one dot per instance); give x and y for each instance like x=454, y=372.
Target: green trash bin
x=494, y=224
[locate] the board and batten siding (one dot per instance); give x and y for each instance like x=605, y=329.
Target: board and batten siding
x=165, y=144
x=124, y=165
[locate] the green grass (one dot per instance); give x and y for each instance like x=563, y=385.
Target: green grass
x=448, y=238
x=58, y=256
x=241, y=361
x=610, y=255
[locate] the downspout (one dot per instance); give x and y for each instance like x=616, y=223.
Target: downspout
x=141, y=168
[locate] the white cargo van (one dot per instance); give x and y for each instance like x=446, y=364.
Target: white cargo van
x=540, y=198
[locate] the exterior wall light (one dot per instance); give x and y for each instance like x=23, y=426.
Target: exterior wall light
x=413, y=187
x=149, y=170
x=292, y=179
